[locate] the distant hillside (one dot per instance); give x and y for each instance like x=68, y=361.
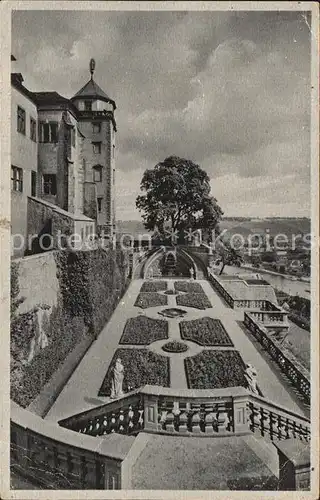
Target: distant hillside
x=235, y=226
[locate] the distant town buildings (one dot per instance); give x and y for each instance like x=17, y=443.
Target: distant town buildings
x=63, y=163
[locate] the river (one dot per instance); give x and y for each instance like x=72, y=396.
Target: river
x=284, y=284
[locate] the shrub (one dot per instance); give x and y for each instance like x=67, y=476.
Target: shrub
x=175, y=346
x=196, y=300
x=188, y=286
x=141, y=367
x=205, y=331
x=154, y=286
x=215, y=369
x=152, y=299
x=143, y=331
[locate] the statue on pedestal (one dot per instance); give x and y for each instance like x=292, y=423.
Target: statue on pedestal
x=251, y=378
x=191, y=273
x=117, y=380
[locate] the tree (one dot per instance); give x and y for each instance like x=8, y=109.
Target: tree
x=177, y=198
x=229, y=256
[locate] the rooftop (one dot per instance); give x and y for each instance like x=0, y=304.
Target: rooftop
x=91, y=90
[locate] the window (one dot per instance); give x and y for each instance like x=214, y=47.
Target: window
x=99, y=201
x=21, y=120
x=49, y=184
x=73, y=137
x=96, y=128
x=33, y=183
x=48, y=132
x=88, y=105
x=33, y=129
x=16, y=179
x=96, y=147
x=97, y=173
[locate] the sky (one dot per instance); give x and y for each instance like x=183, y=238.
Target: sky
x=227, y=90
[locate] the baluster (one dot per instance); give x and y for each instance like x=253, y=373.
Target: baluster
x=209, y=418
x=272, y=423
x=280, y=428
x=90, y=429
x=195, y=419
x=120, y=422
x=96, y=427
x=183, y=419
x=104, y=424
x=222, y=417
x=113, y=423
x=127, y=423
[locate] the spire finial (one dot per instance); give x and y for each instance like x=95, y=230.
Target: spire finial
x=92, y=66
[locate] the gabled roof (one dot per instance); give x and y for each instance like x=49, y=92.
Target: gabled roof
x=91, y=90
x=49, y=97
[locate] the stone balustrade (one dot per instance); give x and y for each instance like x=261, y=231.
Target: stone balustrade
x=221, y=290
x=273, y=422
x=86, y=452
x=202, y=412
x=288, y=363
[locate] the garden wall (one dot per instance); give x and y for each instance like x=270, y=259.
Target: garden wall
x=60, y=301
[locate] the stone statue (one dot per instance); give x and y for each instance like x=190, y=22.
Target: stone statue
x=117, y=380
x=251, y=378
x=191, y=273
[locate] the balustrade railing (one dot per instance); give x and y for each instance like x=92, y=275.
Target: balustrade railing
x=288, y=363
x=271, y=421
x=203, y=412
x=80, y=454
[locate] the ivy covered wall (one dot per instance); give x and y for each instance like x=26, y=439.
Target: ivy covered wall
x=90, y=285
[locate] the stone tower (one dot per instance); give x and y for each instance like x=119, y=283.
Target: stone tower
x=98, y=126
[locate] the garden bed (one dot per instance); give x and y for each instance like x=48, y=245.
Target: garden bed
x=214, y=370
x=144, y=331
x=173, y=312
x=151, y=299
x=154, y=286
x=188, y=286
x=196, y=300
x=205, y=331
x=175, y=347
x=141, y=367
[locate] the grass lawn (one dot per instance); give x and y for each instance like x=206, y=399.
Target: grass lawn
x=215, y=369
x=154, y=286
x=205, y=331
x=141, y=367
x=196, y=300
x=143, y=331
x=150, y=299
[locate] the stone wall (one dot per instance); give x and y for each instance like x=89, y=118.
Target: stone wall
x=59, y=300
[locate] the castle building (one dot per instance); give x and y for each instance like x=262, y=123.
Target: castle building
x=62, y=165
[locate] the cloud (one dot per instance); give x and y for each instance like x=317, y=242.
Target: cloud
x=229, y=90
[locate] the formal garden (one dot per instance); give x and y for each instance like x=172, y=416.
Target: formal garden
x=205, y=331
x=143, y=331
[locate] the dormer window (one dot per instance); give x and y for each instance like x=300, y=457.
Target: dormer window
x=88, y=105
x=97, y=173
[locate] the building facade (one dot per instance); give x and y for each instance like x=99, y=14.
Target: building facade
x=63, y=163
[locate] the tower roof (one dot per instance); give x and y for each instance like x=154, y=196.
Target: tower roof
x=91, y=89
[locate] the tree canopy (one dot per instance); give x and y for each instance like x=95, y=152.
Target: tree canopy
x=177, y=196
